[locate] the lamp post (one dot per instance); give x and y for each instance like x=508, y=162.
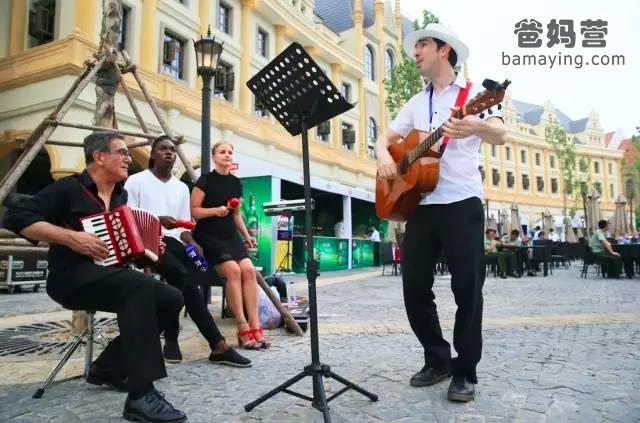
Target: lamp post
x=208, y=52
x=583, y=192
x=628, y=185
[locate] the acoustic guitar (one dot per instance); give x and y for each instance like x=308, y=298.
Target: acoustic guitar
x=418, y=159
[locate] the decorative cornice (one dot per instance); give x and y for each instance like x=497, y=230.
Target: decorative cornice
x=252, y=4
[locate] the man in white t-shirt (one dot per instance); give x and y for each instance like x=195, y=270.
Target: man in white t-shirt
x=536, y=233
x=449, y=219
x=161, y=193
x=374, y=235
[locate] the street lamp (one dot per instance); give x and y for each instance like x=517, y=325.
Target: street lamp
x=628, y=185
x=208, y=52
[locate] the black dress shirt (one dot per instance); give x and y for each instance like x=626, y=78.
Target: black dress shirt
x=63, y=203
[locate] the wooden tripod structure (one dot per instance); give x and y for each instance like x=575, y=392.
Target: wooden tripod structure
x=40, y=135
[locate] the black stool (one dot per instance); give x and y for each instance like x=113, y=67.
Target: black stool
x=88, y=337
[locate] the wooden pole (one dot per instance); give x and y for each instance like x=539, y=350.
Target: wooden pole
x=19, y=242
x=284, y=312
x=43, y=131
x=132, y=103
x=102, y=128
x=139, y=144
x=5, y=249
x=163, y=123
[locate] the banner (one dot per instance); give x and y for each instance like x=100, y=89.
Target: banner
x=331, y=253
x=256, y=192
x=362, y=254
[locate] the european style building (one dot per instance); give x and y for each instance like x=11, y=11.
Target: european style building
x=44, y=43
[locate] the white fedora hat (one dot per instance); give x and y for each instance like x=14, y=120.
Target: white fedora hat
x=440, y=32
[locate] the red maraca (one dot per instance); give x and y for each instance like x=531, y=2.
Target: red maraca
x=233, y=203
x=187, y=224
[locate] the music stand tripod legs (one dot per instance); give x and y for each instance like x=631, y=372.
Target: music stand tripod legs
x=288, y=254
x=300, y=96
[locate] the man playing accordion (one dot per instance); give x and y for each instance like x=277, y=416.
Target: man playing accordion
x=134, y=359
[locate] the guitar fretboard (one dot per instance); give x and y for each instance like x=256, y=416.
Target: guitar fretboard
x=422, y=148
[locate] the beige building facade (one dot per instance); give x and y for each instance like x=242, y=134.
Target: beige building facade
x=44, y=43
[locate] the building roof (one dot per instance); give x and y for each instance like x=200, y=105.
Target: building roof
x=407, y=25
x=338, y=14
x=531, y=114
x=608, y=137
x=625, y=145
x=631, y=153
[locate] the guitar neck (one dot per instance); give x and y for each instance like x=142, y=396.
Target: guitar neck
x=429, y=142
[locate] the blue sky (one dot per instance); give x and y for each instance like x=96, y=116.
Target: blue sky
x=488, y=29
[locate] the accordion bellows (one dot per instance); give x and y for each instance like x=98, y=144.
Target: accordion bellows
x=128, y=233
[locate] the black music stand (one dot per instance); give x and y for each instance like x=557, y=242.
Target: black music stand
x=300, y=96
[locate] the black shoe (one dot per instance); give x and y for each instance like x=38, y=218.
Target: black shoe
x=530, y=273
x=99, y=376
x=428, y=376
x=171, y=351
x=230, y=358
x=514, y=275
x=502, y=276
x=460, y=389
x=152, y=407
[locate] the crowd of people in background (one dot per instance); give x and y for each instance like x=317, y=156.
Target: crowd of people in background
x=512, y=253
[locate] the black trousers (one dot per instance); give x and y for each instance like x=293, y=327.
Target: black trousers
x=456, y=229
x=180, y=271
x=141, y=303
x=612, y=265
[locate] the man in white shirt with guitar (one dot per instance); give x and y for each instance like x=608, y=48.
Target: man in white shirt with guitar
x=450, y=217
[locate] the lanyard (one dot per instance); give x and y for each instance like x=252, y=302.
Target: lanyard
x=431, y=103
x=430, y=106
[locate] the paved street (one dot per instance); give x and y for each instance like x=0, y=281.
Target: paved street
x=557, y=349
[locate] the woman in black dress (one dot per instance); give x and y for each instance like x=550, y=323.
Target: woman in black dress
x=218, y=232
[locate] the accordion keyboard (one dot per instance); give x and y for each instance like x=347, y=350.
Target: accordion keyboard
x=98, y=226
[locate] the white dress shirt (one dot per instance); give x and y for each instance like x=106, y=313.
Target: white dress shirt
x=169, y=198
x=459, y=175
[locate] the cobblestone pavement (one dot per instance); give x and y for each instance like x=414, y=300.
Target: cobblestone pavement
x=556, y=349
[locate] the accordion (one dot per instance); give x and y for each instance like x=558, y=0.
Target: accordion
x=128, y=233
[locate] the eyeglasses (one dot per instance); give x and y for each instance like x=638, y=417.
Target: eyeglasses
x=122, y=151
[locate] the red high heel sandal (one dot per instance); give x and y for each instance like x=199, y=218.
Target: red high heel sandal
x=264, y=342
x=251, y=344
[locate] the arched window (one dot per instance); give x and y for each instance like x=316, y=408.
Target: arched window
x=372, y=135
x=368, y=63
x=388, y=63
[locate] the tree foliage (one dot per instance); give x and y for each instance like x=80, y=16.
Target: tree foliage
x=565, y=151
x=631, y=172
